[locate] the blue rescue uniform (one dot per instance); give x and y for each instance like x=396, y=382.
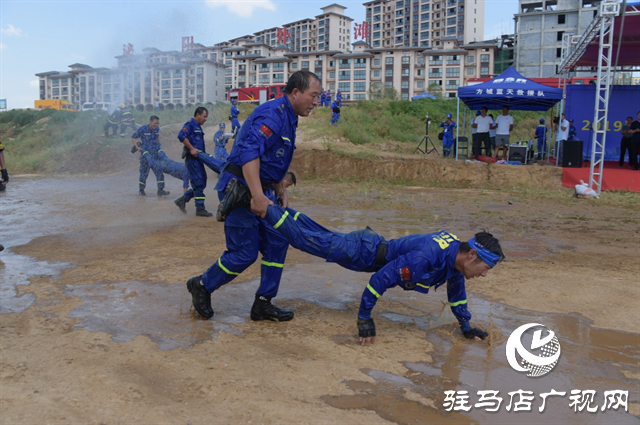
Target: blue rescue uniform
x=171, y=167
x=235, y=124
x=420, y=262
x=150, y=146
x=323, y=98
x=339, y=97
x=220, y=142
x=541, y=135
x=447, y=137
x=335, y=116
x=573, y=132
x=197, y=173
x=269, y=133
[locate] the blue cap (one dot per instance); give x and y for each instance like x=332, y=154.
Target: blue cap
x=234, y=100
x=449, y=116
x=478, y=113
x=222, y=124
x=571, y=120
x=541, y=119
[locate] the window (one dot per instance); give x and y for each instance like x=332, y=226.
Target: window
x=278, y=78
x=166, y=84
x=264, y=78
x=484, y=71
x=484, y=58
x=405, y=84
x=388, y=85
x=359, y=86
x=471, y=58
x=345, y=63
x=420, y=72
x=561, y=19
x=344, y=86
x=405, y=71
x=453, y=72
x=318, y=64
x=177, y=93
x=376, y=61
x=305, y=64
x=278, y=66
x=424, y=26
x=420, y=84
x=56, y=92
x=424, y=17
x=177, y=83
x=332, y=74
x=344, y=75
x=376, y=73
x=264, y=67
x=360, y=63
x=558, y=52
x=376, y=9
x=166, y=74
x=388, y=61
x=453, y=59
x=435, y=60
x=424, y=35
x=452, y=84
x=406, y=59
x=177, y=73
x=388, y=73
x=470, y=71
x=559, y=36
x=360, y=74
x=359, y=96
x=294, y=65
x=166, y=94
x=435, y=72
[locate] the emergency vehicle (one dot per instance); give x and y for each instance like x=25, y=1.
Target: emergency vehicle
x=253, y=94
x=59, y=104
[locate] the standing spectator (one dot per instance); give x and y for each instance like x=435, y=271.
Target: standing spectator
x=625, y=143
x=474, y=131
x=492, y=133
x=541, y=135
x=482, y=124
x=235, y=124
x=573, y=131
x=447, y=137
x=192, y=137
x=562, y=135
x=220, y=142
x=504, y=126
x=634, y=130
x=258, y=163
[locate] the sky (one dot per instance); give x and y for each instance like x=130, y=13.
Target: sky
x=49, y=35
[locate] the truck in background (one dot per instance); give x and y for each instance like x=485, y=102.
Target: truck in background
x=59, y=104
x=256, y=94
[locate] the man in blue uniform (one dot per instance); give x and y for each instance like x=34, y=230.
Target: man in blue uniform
x=447, y=136
x=235, y=124
x=328, y=101
x=415, y=263
x=323, y=98
x=113, y=121
x=171, y=167
x=541, y=135
x=126, y=119
x=573, y=131
x=149, y=148
x=259, y=161
x=335, y=113
x=220, y=142
x=339, y=97
x=192, y=137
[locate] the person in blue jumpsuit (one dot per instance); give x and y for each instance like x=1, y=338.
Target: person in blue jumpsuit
x=447, y=137
x=192, y=137
x=149, y=148
x=335, y=113
x=419, y=262
x=235, y=124
x=126, y=119
x=328, y=95
x=323, y=98
x=171, y=167
x=220, y=142
x=259, y=161
x=339, y=97
x=541, y=135
x=175, y=169
x=573, y=131
x=113, y=121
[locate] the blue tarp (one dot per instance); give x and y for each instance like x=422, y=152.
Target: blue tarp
x=510, y=89
x=424, y=95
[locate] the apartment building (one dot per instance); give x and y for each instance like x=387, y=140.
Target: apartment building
x=147, y=78
x=540, y=26
x=423, y=23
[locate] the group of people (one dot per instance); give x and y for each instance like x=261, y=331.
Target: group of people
x=254, y=205
x=121, y=118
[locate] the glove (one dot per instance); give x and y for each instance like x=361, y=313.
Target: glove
x=475, y=332
x=366, y=328
x=5, y=176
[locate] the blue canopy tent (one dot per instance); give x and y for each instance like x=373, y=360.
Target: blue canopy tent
x=424, y=95
x=509, y=89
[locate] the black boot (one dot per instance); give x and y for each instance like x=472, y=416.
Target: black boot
x=162, y=192
x=262, y=309
x=181, y=203
x=141, y=192
x=201, y=212
x=200, y=297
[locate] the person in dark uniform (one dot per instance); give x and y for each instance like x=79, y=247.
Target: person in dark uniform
x=625, y=143
x=573, y=131
x=149, y=148
x=192, y=137
x=220, y=141
x=113, y=121
x=257, y=164
x=335, y=113
x=419, y=262
x=235, y=112
x=126, y=119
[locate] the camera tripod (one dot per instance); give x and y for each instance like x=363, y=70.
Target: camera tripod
x=426, y=140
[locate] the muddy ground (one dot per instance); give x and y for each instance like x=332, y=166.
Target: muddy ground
x=97, y=326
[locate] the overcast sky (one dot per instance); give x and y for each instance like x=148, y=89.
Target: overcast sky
x=50, y=35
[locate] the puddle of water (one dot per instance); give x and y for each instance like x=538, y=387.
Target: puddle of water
x=592, y=359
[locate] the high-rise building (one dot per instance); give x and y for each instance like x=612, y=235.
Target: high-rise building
x=540, y=26
x=423, y=23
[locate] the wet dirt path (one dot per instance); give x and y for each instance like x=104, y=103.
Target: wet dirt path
x=97, y=327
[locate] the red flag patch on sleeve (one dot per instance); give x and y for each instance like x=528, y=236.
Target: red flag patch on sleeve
x=266, y=131
x=185, y=129
x=406, y=275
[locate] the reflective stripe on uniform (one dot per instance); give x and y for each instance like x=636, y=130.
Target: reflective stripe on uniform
x=142, y=183
x=160, y=181
x=373, y=291
x=424, y=286
x=458, y=303
x=284, y=216
x=268, y=264
x=284, y=138
x=295, y=217
x=226, y=270
x=198, y=197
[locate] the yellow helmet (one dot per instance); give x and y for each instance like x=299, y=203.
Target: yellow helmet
x=122, y=105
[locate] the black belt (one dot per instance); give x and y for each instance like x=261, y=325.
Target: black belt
x=233, y=169
x=381, y=254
